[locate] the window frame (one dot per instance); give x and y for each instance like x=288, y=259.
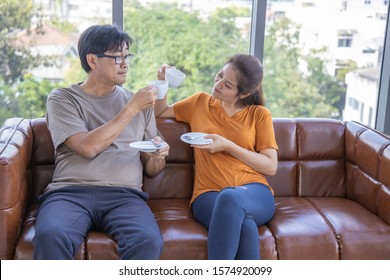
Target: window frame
x=382, y=122
x=383, y=107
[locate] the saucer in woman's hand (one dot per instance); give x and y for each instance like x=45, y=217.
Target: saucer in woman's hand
x=195, y=138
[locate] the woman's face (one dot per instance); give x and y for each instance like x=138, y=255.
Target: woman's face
x=225, y=85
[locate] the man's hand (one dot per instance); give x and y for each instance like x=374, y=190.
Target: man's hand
x=161, y=153
x=144, y=98
x=154, y=162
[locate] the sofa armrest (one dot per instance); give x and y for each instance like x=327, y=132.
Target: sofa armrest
x=15, y=177
x=367, y=168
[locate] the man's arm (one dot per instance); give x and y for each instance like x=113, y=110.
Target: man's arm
x=154, y=162
x=90, y=144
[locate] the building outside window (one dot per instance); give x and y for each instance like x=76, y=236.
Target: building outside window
x=332, y=38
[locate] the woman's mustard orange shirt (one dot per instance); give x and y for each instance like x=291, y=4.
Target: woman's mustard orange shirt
x=251, y=128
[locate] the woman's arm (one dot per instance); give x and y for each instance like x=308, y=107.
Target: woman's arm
x=161, y=108
x=264, y=162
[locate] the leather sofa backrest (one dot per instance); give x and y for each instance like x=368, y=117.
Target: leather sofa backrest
x=311, y=158
x=175, y=181
x=42, y=159
x=314, y=157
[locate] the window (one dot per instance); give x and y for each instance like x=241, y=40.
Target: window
x=47, y=51
x=308, y=4
x=345, y=38
x=353, y=103
x=304, y=59
x=381, y=16
x=362, y=112
x=369, y=51
x=62, y=22
x=370, y=116
x=194, y=36
x=342, y=61
x=345, y=42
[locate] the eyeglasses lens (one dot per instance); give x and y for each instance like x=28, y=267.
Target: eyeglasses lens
x=119, y=59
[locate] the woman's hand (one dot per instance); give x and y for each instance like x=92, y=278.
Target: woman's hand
x=219, y=144
x=161, y=71
x=264, y=161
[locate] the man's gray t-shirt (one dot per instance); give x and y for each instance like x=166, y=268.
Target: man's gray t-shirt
x=71, y=111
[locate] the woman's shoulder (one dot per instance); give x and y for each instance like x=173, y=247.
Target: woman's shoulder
x=259, y=110
x=203, y=95
x=198, y=97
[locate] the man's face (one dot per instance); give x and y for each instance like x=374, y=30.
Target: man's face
x=113, y=65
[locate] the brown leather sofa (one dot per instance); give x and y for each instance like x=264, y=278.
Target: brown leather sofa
x=332, y=193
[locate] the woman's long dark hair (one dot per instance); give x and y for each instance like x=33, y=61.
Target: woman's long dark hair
x=249, y=79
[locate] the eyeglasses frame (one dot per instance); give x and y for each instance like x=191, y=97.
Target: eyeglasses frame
x=126, y=58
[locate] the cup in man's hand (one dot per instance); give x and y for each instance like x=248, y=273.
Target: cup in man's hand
x=162, y=87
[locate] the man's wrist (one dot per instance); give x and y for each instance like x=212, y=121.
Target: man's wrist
x=158, y=158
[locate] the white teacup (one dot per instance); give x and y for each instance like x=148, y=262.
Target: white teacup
x=162, y=87
x=174, y=77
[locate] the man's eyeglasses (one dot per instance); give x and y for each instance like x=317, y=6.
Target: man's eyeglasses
x=118, y=59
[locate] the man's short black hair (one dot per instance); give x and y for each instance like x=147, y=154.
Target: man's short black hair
x=99, y=39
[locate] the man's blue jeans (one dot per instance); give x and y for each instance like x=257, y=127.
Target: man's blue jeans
x=66, y=215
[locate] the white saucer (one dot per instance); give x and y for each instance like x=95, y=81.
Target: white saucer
x=199, y=140
x=147, y=146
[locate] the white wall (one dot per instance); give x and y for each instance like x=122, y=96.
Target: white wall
x=362, y=96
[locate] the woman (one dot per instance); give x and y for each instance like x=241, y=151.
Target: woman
x=231, y=196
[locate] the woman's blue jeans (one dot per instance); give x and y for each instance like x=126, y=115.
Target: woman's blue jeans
x=232, y=217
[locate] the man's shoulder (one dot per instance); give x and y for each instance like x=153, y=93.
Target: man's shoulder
x=64, y=91
x=124, y=91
